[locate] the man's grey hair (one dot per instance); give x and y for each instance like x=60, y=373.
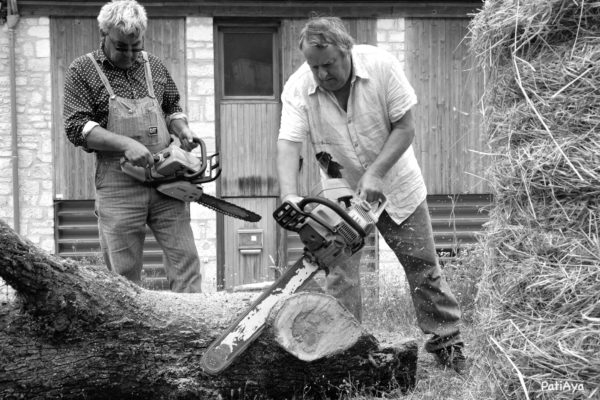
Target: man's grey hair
x=128, y=16
x=325, y=31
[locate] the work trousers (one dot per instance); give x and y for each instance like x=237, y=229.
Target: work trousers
x=124, y=207
x=437, y=310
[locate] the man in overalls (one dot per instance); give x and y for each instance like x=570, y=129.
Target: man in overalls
x=121, y=101
x=354, y=105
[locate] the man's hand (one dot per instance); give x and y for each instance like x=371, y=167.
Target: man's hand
x=292, y=198
x=189, y=140
x=370, y=187
x=138, y=154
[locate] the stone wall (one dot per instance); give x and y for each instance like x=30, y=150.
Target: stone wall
x=201, y=113
x=390, y=36
x=34, y=125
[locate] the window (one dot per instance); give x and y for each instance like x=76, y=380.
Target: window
x=249, y=67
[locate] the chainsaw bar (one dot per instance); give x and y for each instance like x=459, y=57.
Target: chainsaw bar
x=227, y=208
x=249, y=325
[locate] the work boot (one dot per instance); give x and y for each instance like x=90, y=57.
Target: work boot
x=453, y=357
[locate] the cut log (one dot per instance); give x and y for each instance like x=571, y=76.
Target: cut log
x=83, y=332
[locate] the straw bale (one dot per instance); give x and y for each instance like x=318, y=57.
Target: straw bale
x=538, y=303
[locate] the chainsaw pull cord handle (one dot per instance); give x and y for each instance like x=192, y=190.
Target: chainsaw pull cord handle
x=335, y=207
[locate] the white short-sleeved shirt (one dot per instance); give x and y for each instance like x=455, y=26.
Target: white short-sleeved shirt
x=380, y=95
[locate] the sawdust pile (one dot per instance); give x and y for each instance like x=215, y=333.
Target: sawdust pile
x=539, y=299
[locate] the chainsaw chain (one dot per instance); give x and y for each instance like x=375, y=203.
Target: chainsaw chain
x=227, y=208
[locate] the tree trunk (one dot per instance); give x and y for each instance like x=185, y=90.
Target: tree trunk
x=83, y=332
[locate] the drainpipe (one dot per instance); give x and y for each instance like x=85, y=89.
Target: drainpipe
x=12, y=19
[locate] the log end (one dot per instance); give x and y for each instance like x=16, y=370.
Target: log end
x=314, y=325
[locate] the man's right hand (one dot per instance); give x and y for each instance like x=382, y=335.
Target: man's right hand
x=138, y=154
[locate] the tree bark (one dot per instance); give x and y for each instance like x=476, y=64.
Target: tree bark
x=79, y=331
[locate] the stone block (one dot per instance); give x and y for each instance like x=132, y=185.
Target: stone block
x=5, y=164
x=385, y=24
x=42, y=48
x=5, y=189
x=202, y=53
x=397, y=37
x=202, y=86
x=203, y=129
x=46, y=199
x=6, y=213
x=39, y=31
x=209, y=109
x=199, y=29
x=27, y=50
x=48, y=244
x=201, y=70
x=41, y=230
x=38, y=64
x=30, y=188
x=200, y=214
x=26, y=158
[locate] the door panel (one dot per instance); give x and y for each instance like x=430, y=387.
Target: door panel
x=249, y=247
x=249, y=143
x=441, y=70
x=248, y=112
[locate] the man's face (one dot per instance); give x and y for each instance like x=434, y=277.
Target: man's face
x=329, y=65
x=121, y=49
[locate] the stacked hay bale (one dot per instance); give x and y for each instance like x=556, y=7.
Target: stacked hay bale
x=539, y=299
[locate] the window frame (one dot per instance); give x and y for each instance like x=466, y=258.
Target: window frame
x=238, y=27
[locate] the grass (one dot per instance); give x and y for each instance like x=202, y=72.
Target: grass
x=389, y=315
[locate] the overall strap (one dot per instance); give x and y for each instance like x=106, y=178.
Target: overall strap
x=148, y=74
x=103, y=77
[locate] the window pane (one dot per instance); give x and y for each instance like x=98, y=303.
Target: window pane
x=248, y=64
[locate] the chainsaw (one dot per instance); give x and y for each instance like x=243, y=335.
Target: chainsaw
x=332, y=224
x=180, y=174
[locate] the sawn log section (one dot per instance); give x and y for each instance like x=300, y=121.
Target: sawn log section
x=82, y=332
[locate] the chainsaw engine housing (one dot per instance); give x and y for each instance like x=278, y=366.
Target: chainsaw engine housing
x=333, y=226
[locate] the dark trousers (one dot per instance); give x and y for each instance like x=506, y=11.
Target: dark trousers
x=437, y=310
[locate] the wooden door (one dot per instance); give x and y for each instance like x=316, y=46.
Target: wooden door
x=248, y=111
x=73, y=37
x=448, y=143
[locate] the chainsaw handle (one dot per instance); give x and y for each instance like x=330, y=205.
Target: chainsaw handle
x=381, y=204
x=335, y=207
x=204, y=162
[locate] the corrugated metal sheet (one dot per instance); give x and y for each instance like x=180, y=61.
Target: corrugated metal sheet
x=456, y=222
x=76, y=236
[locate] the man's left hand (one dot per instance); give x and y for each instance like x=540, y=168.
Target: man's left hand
x=370, y=187
x=189, y=141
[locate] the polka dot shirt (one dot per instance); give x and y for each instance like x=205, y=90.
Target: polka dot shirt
x=86, y=98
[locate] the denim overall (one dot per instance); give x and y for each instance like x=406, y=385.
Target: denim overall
x=125, y=206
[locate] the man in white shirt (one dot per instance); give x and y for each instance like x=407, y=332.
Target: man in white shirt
x=353, y=102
